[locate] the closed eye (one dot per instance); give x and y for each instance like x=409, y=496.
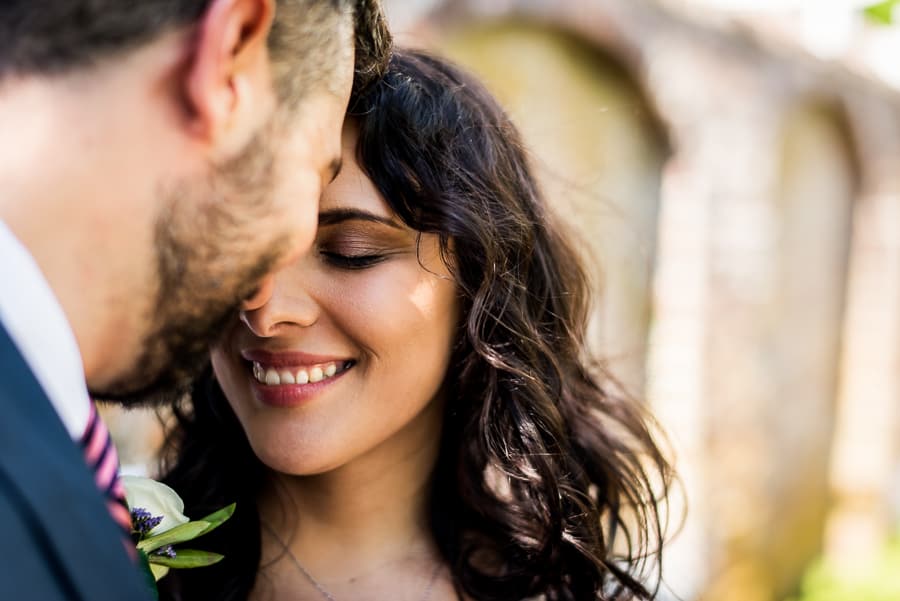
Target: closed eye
x=351, y=262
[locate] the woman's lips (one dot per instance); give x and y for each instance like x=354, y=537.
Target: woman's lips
x=281, y=384
x=272, y=376
x=279, y=359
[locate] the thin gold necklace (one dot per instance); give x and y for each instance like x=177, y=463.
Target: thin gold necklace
x=326, y=594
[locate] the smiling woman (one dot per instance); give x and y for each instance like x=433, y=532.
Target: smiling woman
x=412, y=415
x=356, y=339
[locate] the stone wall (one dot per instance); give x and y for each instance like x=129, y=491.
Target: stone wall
x=741, y=208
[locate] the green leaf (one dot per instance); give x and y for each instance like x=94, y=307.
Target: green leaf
x=178, y=534
x=883, y=12
x=218, y=518
x=158, y=571
x=149, y=577
x=187, y=558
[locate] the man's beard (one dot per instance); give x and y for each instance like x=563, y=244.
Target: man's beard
x=203, y=275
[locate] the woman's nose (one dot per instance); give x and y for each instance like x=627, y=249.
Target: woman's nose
x=262, y=294
x=286, y=303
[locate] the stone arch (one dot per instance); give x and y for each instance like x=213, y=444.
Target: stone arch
x=779, y=314
x=816, y=188
x=599, y=151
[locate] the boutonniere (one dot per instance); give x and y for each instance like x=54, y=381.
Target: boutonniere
x=158, y=526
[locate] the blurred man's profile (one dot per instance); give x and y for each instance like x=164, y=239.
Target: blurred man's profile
x=160, y=160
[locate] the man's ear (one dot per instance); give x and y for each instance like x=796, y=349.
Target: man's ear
x=228, y=78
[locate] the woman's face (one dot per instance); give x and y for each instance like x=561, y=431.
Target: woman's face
x=349, y=355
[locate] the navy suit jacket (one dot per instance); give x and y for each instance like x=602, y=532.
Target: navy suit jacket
x=57, y=539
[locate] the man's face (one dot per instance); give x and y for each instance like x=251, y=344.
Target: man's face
x=218, y=238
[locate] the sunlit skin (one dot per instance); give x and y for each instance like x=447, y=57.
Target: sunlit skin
x=100, y=153
x=351, y=454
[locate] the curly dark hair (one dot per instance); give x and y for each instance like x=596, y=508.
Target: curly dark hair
x=549, y=480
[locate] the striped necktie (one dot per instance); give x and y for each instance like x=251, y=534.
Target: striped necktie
x=100, y=455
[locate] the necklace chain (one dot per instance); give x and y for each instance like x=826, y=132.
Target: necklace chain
x=326, y=594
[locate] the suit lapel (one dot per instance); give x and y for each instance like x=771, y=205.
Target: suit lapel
x=39, y=456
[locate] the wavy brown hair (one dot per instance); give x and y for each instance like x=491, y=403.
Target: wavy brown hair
x=549, y=480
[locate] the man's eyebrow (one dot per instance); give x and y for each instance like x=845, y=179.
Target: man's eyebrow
x=335, y=216
x=335, y=168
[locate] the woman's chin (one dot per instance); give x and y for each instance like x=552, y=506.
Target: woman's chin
x=297, y=462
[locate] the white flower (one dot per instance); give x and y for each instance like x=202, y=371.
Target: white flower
x=157, y=498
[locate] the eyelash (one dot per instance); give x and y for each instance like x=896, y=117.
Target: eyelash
x=351, y=262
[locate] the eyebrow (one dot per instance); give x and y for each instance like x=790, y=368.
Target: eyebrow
x=335, y=168
x=335, y=216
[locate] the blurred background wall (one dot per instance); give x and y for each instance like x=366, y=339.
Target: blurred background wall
x=733, y=171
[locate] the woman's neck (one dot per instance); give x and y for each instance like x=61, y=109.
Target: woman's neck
x=351, y=509
x=366, y=518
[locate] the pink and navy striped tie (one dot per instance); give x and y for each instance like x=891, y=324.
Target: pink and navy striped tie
x=100, y=454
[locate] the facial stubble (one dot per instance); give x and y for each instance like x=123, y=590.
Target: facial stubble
x=202, y=273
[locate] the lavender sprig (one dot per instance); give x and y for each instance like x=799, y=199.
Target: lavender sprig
x=166, y=551
x=142, y=521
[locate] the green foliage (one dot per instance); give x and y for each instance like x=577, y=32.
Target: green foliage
x=188, y=531
x=878, y=581
x=218, y=518
x=882, y=12
x=178, y=534
x=188, y=558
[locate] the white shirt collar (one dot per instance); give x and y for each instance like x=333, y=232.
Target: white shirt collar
x=38, y=326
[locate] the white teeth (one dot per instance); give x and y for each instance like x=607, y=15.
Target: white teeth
x=273, y=377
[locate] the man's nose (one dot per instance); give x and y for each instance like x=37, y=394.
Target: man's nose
x=261, y=296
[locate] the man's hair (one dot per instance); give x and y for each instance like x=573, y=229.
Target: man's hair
x=48, y=37
x=305, y=42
